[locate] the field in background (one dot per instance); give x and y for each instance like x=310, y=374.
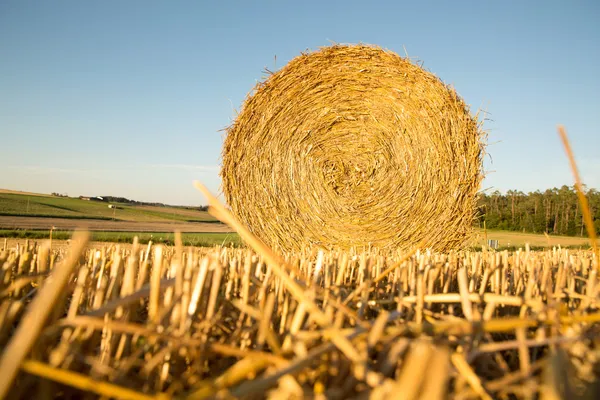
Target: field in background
x=167, y=238
x=8, y=191
x=40, y=206
x=32, y=215
x=508, y=239
x=68, y=224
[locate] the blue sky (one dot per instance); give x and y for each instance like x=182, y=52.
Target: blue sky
x=130, y=97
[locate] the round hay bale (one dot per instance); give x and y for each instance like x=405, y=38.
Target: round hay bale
x=354, y=146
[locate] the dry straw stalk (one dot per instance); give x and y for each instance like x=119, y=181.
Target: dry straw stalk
x=258, y=328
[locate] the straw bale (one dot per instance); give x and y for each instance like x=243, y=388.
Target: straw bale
x=351, y=146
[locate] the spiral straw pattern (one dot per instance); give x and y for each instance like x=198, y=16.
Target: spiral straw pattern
x=354, y=146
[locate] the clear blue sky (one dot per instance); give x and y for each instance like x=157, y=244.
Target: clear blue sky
x=128, y=97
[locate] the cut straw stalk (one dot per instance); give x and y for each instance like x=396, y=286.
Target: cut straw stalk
x=251, y=388
x=499, y=299
x=85, y=383
x=585, y=207
x=276, y=263
x=37, y=313
x=463, y=368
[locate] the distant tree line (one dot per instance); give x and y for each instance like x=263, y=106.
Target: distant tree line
x=124, y=200
x=555, y=211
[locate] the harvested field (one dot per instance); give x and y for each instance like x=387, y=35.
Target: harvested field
x=363, y=311
x=204, y=322
x=12, y=222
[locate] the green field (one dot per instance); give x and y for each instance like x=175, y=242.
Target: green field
x=67, y=207
x=167, y=238
x=514, y=240
x=507, y=240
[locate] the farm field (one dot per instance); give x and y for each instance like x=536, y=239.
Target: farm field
x=32, y=216
x=37, y=228
x=211, y=236
x=20, y=192
x=509, y=239
x=195, y=233
x=300, y=212
x=46, y=206
x=67, y=214
x=37, y=223
x=62, y=239
x=281, y=332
